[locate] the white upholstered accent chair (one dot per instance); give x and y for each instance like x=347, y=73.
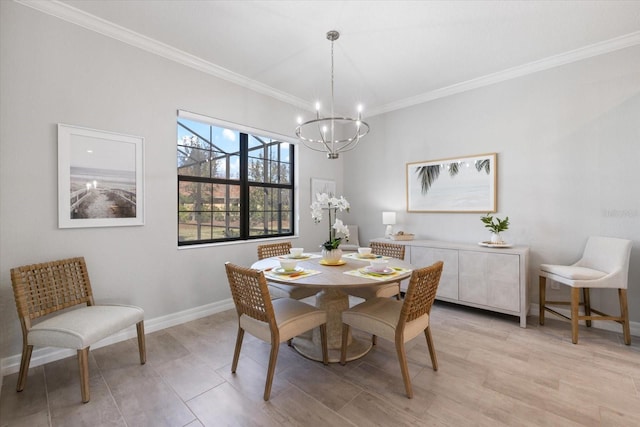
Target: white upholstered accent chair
x=354, y=241
x=44, y=290
x=604, y=264
x=398, y=321
x=271, y=321
x=279, y=290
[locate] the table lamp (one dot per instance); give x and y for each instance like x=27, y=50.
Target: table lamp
x=388, y=219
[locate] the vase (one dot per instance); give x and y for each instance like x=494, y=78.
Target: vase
x=331, y=256
x=496, y=239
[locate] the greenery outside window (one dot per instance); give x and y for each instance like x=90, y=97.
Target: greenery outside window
x=234, y=183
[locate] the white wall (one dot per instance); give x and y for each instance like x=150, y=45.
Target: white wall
x=56, y=72
x=568, y=144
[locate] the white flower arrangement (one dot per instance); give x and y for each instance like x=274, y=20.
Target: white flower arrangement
x=332, y=205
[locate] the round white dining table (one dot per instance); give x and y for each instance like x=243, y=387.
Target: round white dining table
x=332, y=282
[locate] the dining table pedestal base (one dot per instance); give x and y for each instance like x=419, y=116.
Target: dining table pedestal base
x=334, y=302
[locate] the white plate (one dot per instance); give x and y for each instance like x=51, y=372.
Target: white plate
x=303, y=256
x=280, y=270
x=385, y=271
x=371, y=256
x=495, y=245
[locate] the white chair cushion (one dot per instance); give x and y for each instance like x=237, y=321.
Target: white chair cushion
x=278, y=290
x=84, y=326
x=379, y=316
x=292, y=317
x=572, y=273
x=383, y=291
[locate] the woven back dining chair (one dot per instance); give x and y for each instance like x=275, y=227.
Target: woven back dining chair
x=273, y=249
x=388, y=290
x=43, y=291
x=399, y=321
x=271, y=321
x=279, y=290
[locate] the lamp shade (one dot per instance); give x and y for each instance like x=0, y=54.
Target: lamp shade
x=388, y=218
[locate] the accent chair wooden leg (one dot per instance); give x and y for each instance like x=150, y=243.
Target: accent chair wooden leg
x=575, y=304
x=236, y=352
x=398, y=296
x=24, y=367
x=343, y=347
x=432, y=349
x=402, y=359
x=624, y=313
x=273, y=357
x=325, y=349
x=542, y=293
x=587, y=304
x=83, y=364
x=142, y=348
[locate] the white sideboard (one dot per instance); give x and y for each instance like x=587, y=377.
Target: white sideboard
x=489, y=278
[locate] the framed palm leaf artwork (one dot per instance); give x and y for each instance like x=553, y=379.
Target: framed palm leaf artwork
x=463, y=184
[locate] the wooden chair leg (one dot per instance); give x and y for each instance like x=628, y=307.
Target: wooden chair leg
x=83, y=364
x=325, y=349
x=24, y=366
x=236, y=352
x=587, y=304
x=142, y=348
x=398, y=297
x=273, y=357
x=432, y=349
x=624, y=313
x=343, y=347
x=374, y=340
x=542, y=293
x=575, y=304
x=404, y=368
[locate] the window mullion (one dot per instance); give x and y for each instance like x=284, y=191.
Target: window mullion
x=244, y=186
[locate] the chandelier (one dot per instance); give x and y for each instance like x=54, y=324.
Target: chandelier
x=332, y=134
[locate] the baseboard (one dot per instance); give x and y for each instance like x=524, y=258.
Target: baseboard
x=606, y=325
x=41, y=356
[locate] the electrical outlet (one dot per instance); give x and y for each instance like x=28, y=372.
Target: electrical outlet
x=555, y=286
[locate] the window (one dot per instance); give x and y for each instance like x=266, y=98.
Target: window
x=233, y=184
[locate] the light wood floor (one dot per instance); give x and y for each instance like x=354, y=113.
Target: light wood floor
x=492, y=373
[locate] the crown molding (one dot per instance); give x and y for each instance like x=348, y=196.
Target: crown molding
x=91, y=22
x=600, y=48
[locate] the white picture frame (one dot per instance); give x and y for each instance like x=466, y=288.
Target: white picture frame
x=322, y=185
x=457, y=184
x=100, y=178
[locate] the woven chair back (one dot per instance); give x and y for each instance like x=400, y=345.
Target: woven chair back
x=421, y=292
x=41, y=289
x=273, y=249
x=250, y=293
x=392, y=250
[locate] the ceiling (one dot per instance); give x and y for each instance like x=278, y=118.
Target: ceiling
x=391, y=54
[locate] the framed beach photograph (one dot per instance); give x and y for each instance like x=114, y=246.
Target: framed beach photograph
x=463, y=184
x=100, y=178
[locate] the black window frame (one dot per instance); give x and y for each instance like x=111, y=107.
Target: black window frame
x=243, y=181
